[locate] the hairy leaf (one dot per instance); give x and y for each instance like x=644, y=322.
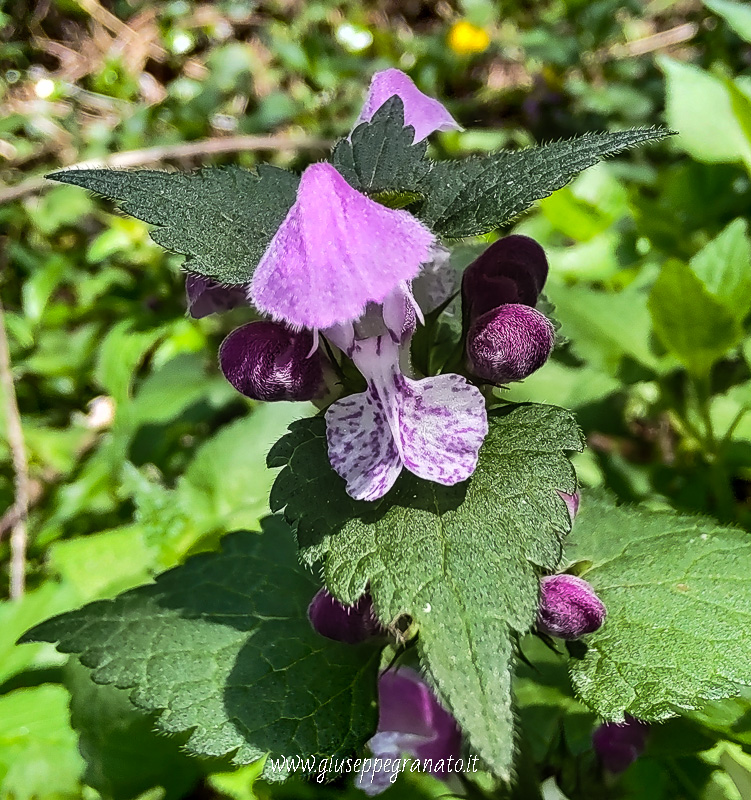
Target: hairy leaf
x=379, y=157
x=480, y=193
x=222, y=219
x=678, y=593
x=462, y=561
x=222, y=647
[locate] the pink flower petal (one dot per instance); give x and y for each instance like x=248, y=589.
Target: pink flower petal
x=442, y=425
x=423, y=113
x=335, y=252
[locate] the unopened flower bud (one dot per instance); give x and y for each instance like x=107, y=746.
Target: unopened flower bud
x=209, y=297
x=511, y=270
x=350, y=624
x=619, y=744
x=268, y=361
x=509, y=343
x=569, y=607
x=572, y=503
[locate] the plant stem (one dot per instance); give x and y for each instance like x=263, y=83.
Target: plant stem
x=19, y=534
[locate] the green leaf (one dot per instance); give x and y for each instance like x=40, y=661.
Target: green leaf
x=222, y=647
x=222, y=219
x=124, y=754
x=38, y=753
x=696, y=327
x=724, y=267
x=480, y=193
x=379, y=157
x=713, y=136
x=605, y=327
x=461, y=561
x=678, y=593
x=16, y=616
x=737, y=15
x=227, y=483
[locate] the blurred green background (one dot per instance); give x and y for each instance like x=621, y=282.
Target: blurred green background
x=140, y=454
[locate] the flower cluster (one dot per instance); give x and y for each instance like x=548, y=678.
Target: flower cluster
x=344, y=268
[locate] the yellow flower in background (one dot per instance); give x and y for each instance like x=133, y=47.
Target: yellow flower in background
x=465, y=38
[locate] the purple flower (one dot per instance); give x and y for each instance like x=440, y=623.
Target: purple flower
x=619, y=744
x=434, y=427
x=412, y=722
x=572, y=503
x=509, y=343
x=209, y=297
x=569, y=607
x=350, y=624
x=423, y=113
x=511, y=270
x=268, y=361
x=336, y=251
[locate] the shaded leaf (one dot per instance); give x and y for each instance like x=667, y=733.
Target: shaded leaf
x=480, y=193
x=222, y=219
x=379, y=156
x=462, y=561
x=678, y=593
x=222, y=647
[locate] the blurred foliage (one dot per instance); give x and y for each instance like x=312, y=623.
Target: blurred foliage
x=140, y=454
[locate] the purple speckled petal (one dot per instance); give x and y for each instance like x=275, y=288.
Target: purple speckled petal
x=423, y=113
x=209, y=297
x=442, y=425
x=326, y=262
x=434, y=427
x=361, y=447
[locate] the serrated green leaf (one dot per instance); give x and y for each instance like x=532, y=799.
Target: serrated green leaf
x=737, y=15
x=724, y=267
x=692, y=324
x=379, y=156
x=480, y=193
x=38, y=753
x=222, y=219
x=462, y=561
x=222, y=647
x=678, y=593
x=124, y=754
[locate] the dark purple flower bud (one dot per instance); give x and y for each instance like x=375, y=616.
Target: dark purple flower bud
x=412, y=721
x=509, y=343
x=569, y=607
x=511, y=270
x=350, y=624
x=209, y=297
x=268, y=361
x=618, y=745
x=572, y=503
